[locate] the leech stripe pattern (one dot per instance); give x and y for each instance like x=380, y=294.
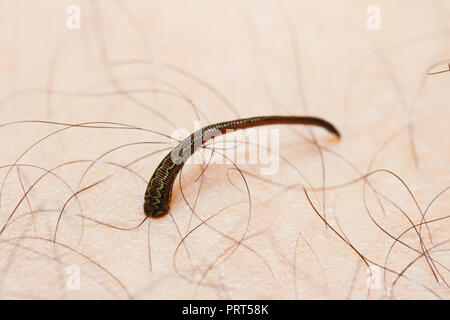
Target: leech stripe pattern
x=159, y=190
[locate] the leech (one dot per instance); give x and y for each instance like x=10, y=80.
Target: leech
x=159, y=190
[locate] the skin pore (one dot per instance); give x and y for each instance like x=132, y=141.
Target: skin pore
x=115, y=91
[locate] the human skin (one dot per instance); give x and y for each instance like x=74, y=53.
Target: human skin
x=238, y=59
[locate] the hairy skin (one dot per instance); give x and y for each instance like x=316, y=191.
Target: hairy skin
x=369, y=83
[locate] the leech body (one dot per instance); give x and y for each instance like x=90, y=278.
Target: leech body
x=159, y=189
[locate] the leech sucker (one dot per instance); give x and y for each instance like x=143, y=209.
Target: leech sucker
x=159, y=189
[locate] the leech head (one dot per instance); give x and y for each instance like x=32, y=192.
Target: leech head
x=154, y=210
x=159, y=191
x=154, y=213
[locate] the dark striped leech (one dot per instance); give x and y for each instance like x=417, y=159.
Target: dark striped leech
x=159, y=189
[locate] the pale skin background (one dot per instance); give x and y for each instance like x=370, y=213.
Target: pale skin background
x=260, y=57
